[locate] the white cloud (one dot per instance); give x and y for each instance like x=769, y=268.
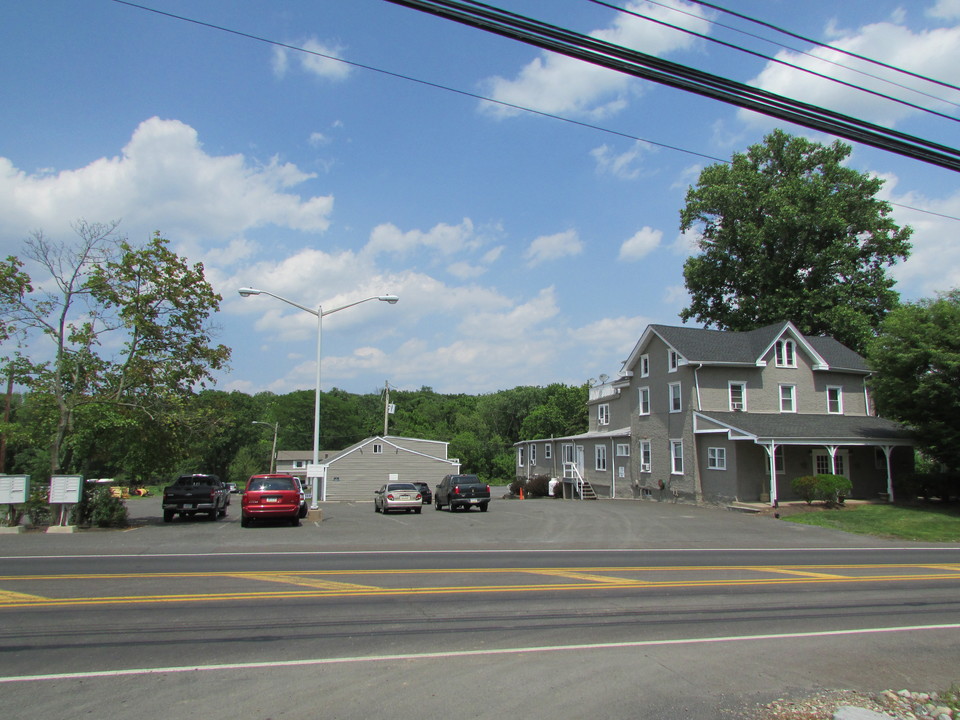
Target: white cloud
x=324, y=61
x=945, y=9
x=553, y=247
x=447, y=239
x=933, y=53
x=163, y=180
x=624, y=165
x=644, y=242
x=558, y=84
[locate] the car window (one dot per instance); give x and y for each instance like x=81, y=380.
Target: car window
x=402, y=486
x=272, y=484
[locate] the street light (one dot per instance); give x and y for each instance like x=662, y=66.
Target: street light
x=273, y=453
x=320, y=314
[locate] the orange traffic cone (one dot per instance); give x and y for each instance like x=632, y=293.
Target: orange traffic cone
x=521, y=493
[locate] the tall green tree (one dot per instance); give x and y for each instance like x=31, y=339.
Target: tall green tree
x=787, y=232
x=127, y=326
x=916, y=360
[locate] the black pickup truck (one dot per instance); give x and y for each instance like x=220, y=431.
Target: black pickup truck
x=192, y=494
x=462, y=491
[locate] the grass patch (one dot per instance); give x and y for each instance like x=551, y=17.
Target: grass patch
x=928, y=523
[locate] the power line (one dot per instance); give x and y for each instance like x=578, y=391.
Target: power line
x=778, y=61
x=824, y=45
x=642, y=65
x=457, y=91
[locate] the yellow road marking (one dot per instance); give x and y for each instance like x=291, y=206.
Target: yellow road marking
x=589, y=577
x=302, y=581
x=7, y=596
x=801, y=573
x=321, y=583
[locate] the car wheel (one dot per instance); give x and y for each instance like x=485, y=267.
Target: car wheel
x=295, y=521
x=384, y=509
x=223, y=512
x=417, y=511
x=168, y=515
x=212, y=515
x=245, y=522
x=483, y=507
x=438, y=505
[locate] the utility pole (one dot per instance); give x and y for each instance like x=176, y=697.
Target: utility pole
x=386, y=406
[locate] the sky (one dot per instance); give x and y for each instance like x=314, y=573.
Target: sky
x=329, y=151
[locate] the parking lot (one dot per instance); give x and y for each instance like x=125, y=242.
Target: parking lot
x=542, y=524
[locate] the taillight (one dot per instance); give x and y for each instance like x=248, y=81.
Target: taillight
x=488, y=488
x=390, y=496
x=456, y=489
x=419, y=496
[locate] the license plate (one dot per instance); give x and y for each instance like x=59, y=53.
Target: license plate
x=272, y=499
x=474, y=501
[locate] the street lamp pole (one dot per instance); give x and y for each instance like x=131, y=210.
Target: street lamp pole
x=320, y=314
x=273, y=453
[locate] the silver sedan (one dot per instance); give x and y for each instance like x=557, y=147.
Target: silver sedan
x=398, y=496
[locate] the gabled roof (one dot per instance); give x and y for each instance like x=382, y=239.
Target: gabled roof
x=358, y=447
x=726, y=347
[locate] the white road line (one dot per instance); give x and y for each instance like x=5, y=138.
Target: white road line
x=464, y=653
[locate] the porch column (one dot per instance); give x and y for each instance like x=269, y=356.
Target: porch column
x=771, y=449
x=832, y=449
x=887, y=449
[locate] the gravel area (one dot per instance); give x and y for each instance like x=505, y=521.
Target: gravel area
x=826, y=705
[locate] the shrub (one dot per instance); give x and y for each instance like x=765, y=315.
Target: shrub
x=806, y=488
x=538, y=486
x=833, y=489
x=99, y=508
x=36, y=506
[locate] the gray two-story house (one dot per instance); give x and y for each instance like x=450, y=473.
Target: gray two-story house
x=721, y=416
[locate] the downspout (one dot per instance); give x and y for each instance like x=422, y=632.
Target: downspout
x=697, y=480
x=613, y=469
x=866, y=395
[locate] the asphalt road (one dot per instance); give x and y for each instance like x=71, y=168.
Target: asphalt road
x=543, y=609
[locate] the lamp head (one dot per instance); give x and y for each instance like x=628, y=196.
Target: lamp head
x=392, y=299
x=247, y=292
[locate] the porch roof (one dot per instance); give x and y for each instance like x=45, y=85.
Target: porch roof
x=798, y=428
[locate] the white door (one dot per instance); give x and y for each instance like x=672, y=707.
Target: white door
x=822, y=465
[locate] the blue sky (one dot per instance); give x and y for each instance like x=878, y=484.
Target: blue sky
x=524, y=249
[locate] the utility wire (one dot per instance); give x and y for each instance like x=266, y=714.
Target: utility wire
x=778, y=61
x=632, y=62
x=457, y=91
x=418, y=81
x=824, y=45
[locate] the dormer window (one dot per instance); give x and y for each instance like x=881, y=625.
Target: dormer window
x=786, y=353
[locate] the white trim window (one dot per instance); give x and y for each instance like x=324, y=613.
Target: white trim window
x=674, y=360
x=788, y=398
x=603, y=414
x=566, y=452
x=644, y=366
x=676, y=457
x=676, y=397
x=834, y=399
x=786, y=353
x=377, y=449
x=643, y=404
x=533, y=455
x=738, y=395
x=623, y=450
x=520, y=456
x=547, y=451
x=600, y=457
x=716, y=458
x=646, y=453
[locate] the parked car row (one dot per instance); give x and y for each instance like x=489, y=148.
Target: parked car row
x=279, y=496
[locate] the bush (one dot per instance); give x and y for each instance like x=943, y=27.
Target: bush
x=99, y=508
x=538, y=486
x=806, y=488
x=833, y=489
x=37, y=508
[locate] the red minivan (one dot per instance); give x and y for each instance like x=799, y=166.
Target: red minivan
x=272, y=496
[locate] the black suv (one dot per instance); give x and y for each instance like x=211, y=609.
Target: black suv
x=425, y=492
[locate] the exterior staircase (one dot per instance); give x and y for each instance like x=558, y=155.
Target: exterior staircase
x=584, y=488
